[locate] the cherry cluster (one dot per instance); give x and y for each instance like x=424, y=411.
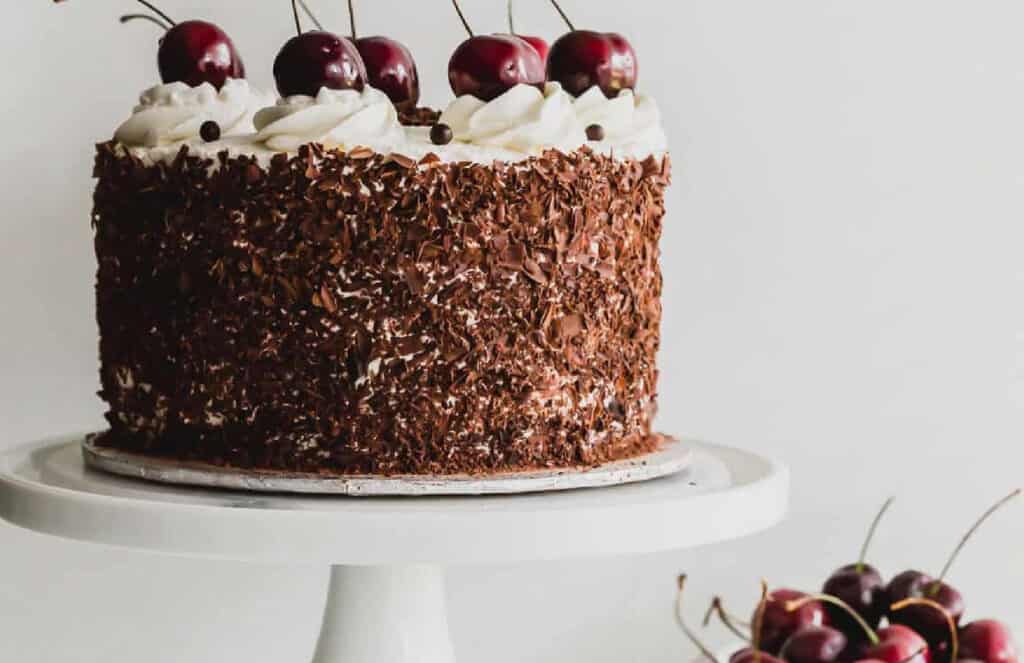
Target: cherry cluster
x=485, y=66
x=844, y=623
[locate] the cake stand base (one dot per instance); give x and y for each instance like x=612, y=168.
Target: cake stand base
x=385, y=613
x=385, y=603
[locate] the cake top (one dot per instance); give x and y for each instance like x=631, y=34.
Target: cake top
x=514, y=97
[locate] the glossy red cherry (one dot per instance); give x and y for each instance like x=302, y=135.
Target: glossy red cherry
x=391, y=69
x=859, y=586
x=540, y=45
x=931, y=624
x=583, y=59
x=192, y=52
x=390, y=66
x=487, y=66
x=988, y=641
x=898, y=644
x=197, y=52
x=814, y=644
x=314, y=60
x=779, y=623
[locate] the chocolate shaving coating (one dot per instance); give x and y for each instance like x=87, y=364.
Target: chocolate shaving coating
x=352, y=313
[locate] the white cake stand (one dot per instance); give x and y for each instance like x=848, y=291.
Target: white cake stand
x=385, y=603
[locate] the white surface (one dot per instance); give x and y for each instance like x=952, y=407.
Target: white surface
x=670, y=459
x=724, y=494
x=388, y=603
x=844, y=290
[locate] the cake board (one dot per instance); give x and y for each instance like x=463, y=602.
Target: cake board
x=387, y=554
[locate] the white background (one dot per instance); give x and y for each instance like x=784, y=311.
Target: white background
x=845, y=291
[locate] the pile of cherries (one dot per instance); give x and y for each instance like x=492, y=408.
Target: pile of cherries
x=485, y=66
x=841, y=624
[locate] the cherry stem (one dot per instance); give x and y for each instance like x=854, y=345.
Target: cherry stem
x=462, y=17
x=295, y=12
x=966, y=537
x=871, y=534
x=564, y=16
x=762, y=608
x=156, y=11
x=954, y=637
x=825, y=598
x=144, y=17
x=511, y=19
x=686, y=629
x=727, y=620
x=309, y=13
x=352, y=18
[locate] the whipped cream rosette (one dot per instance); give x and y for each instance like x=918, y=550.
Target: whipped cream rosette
x=175, y=112
x=334, y=118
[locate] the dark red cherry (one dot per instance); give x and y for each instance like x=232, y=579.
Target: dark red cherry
x=391, y=69
x=779, y=623
x=390, y=66
x=488, y=66
x=861, y=587
x=988, y=641
x=539, y=44
x=898, y=644
x=197, y=52
x=192, y=52
x=583, y=59
x=315, y=60
x=930, y=623
x=814, y=644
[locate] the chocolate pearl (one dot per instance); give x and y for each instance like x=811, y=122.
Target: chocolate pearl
x=209, y=131
x=441, y=134
x=595, y=132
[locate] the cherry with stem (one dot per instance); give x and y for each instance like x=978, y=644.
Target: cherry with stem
x=954, y=635
x=914, y=584
x=859, y=585
x=311, y=61
x=390, y=66
x=191, y=52
x=488, y=66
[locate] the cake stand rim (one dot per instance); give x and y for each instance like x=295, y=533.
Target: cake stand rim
x=672, y=457
x=726, y=494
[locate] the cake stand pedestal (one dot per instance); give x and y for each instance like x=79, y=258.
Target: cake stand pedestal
x=385, y=602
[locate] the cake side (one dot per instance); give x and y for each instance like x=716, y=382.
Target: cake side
x=351, y=312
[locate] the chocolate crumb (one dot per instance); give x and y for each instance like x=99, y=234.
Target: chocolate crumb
x=595, y=132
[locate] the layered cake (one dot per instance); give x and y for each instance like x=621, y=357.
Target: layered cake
x=340, y=281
